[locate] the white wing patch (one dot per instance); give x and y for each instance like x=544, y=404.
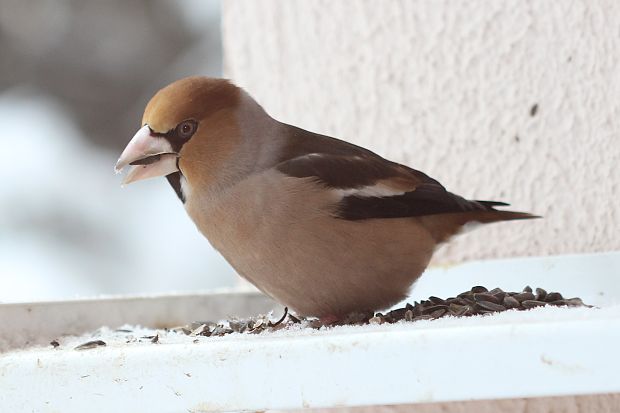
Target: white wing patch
x=376, y=190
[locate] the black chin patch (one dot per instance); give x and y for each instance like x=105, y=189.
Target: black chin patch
x=174, y=179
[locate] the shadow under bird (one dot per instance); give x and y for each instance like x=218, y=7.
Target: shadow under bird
x=323, y=226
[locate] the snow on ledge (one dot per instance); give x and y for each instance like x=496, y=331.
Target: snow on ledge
x=117, y=338
x=547, y=351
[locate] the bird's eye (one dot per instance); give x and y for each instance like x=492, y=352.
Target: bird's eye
x=186, y=129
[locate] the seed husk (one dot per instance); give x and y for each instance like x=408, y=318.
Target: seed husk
x=477, y=301
x=281, y=318
x=376, y=320
x=90, y=345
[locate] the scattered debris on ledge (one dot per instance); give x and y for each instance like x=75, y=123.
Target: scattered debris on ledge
x=477, y=301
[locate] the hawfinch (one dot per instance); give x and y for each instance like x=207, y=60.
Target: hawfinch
x=323, y=226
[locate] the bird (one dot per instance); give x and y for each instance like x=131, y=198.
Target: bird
x=324, y=227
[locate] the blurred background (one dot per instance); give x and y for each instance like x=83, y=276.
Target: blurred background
x=74, y=79
x=513, y=101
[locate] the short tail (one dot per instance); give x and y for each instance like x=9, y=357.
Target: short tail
x=494, y=215
x=490, y=214
x=443, y=226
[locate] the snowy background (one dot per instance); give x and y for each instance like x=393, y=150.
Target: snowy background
x=74, y=78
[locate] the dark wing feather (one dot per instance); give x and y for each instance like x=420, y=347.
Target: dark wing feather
x=424, y=200
x=303, y=145
x=343, y=165
x=415, y=194
x=337, y=171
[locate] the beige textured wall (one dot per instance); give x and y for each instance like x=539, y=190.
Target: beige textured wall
x=448, y=88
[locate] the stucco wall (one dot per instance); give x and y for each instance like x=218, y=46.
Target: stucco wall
x=450, y=87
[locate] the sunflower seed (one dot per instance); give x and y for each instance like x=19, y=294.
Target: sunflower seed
x=533, y=303
x=488, y=305
x=417, y=309
x=486, y=297
x=431, y=309
x=440, y=312
x=437, y=300
x=511, y=302
x=553, y=297
x=498, y=293
x=469, y=310
x=574, y=301
x=467, y=295
x=526, y=295
x=477, y=301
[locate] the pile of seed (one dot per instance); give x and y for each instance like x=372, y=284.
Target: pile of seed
x=476, y=301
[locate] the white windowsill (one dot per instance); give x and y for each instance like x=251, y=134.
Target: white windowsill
x=543, y=352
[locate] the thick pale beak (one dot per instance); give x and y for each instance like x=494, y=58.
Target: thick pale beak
x=149, y=157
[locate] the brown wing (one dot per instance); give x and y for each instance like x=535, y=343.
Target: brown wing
x=373, y=187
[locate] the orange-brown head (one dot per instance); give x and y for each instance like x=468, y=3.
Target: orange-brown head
x=191, y=122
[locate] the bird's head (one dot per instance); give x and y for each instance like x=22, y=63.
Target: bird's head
x=189, y=122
